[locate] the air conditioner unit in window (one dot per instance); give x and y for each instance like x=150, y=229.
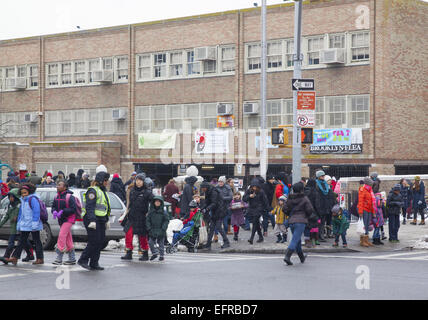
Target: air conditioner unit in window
x=102, y=76
x=30, y=118
x=332, y=56
x=251, y=108
x=16, y=83
x=205, y=53
x=119, y=114
x=224, y=109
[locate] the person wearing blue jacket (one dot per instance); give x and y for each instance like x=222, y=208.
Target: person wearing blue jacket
x=28, y=222
x=419, y=204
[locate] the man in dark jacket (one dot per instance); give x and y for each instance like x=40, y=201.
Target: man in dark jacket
x=187, y=196
x=376, y=182
x=394, y=203
x=257, y=204
x=170, y=190
x=269, y=190
x=117, y=187
x=35, y=179
x=214, y=205
x=71, y=182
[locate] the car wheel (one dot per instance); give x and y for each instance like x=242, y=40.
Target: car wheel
x=46, y=237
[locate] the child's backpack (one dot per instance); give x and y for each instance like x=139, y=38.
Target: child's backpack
x=43, y=212
x=78, y=205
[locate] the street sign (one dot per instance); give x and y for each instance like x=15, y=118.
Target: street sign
x=307, y=135
x=305, y=118
x=306, y=100
x=303, y=84
x=279, y=136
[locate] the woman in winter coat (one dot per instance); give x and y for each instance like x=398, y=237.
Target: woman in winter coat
x=366, y=209
x=299, y=209
x=323, y=204
x=79, y=176
x=28, y=222
x=419, y=204
x=394, y=203
x=71, y=182
x=406, y=194
x=257, y=204
x=64, y=209
x=118, y=188
x=170, y=190
x=138, y=207
x=187, y=196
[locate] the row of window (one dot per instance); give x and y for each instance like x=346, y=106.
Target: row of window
x=13, y=124
x=30, y=74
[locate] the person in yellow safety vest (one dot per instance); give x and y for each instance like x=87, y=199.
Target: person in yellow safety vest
x=95, y=211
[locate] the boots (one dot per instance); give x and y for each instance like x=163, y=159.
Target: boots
x=235, y=236
x=302, y=256
x=128, y=255
x=59, y=256
x=7, y=254
x=226, y=244
x=308, y=244
x=367, y=242
x=71, y=258
x=145, y=256
x=376, y=241
x=422, y=223
x=279, y=238
x=414, y=222
x=383, y=236
x=30, y=256
x=329, y=232
x=261, y=239
x=363, y=241
x=229, y=231
x=287, y=257
x=39, y=261
x=284, y=238
x=12, y=260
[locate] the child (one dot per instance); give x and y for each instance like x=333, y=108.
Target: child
x=314, y=234
x=12, y=216
x=280, y=229
x=157, y=223
x=237, y=218
x=340, y=225
x=194, y=208
x=378, y=221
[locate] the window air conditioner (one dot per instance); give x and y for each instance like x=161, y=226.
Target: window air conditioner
x=102, y=76
x=334, y=55
x=205, y=53
x=224, y=109
x=251, y=108
x=119, y=114
x=16, y=83
x=30, y=118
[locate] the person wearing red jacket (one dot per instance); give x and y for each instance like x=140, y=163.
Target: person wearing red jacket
x=4, y=189
x=366, y=209
x=282, y=188
x=193, y=210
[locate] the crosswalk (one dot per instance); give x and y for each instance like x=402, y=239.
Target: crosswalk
x=404, y=256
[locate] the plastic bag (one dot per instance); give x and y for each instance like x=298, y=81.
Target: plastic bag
x=360, y=226
x=203, y=233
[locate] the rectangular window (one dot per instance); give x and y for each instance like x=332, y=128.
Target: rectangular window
x=228, y=59
x=94, y=65
x=210, y=66
x=65, y=127
x=175, y=117
x=159, y=63
x=273, y=113
x=33, y=76
x=1, y=79
x=158, y=118
x=314, y=47
x=360, y=46
x=288, y=112
x=253, y=56
x=209, y=115
x=319, y=113
x=176, y=64
x=336, y=41
x=274, y=55
x=193, y=67
x=289, y=55
x=122, y=69
x=93, y=122
x=53, y=74
x=108, y=63
x=10, y=72
x=336, y=113
x=66, y=73
x=79, y=122
x=142, y=118
x=22, y=71
x=144, y=67
x=191, y=116
x=359, y=111
x=79, y=72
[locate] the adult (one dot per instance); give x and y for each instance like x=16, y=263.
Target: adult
x=394, y=204
x=49, y=181
x=79, y=176
x=85, y=183
x=28, y=223
x=310, y=193
x=406, y=195
x=64, y=209
x=214, y=205
x=419, y=204
x=366, y=209
x=188, y=191
x=139, y=200
x=35, y=179
x=299, y=209
x=71, y=182
x=170, y=190
x=257, y=204
x=131, y=180
x=227, y=197
x=96, y=221
x=59, y=176
x=333, y=200
x=269, y=190
x=376, y=182
x=323, y=203
x=118, y=188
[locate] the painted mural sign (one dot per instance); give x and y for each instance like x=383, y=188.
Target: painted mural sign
x=337, y=141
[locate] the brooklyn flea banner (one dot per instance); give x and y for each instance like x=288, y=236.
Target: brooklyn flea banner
x=343, y=141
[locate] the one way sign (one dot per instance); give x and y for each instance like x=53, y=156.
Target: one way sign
x=303, y=84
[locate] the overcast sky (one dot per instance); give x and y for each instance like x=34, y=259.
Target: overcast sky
x=24, y=18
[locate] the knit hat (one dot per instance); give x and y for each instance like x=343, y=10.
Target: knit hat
x=116, y=175
x=49, y=174
x=298, y=187
x=417, y=178
x=396, y=187
x=193, y=204
x=222, y=179
x=283, y=198
x=192, y=171
x=327, y=178
x=335, y=210
x=101, y=168
x=374, y=175
x=148, y=182
x=141, y=176
x=368, y=181
x=133, y=174
x=319, y=174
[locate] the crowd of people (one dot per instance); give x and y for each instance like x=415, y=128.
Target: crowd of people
x=309, y=209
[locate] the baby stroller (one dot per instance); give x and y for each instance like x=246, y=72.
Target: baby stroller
x=187, y=236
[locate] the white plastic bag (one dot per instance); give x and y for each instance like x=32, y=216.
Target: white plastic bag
x=360, y=226
x=203, y=233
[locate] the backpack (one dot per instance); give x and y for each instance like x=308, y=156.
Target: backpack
x=43, y=212
x=78, y=205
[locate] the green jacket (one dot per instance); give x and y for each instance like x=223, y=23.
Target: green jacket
x=157, y=220
x=12, y=213
x=340, y=224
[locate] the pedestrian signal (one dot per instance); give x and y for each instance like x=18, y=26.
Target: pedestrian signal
x=307, y=135
x=279, y=136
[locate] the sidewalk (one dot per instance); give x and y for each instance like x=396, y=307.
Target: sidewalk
x=410, y=236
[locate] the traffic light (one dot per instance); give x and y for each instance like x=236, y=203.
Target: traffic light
x=279, y=136
x=307, y=135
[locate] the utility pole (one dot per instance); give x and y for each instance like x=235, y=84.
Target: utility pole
x=297, y=74
x=263, y=47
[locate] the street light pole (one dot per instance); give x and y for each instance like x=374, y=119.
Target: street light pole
x=263, y=149
x=297, y=74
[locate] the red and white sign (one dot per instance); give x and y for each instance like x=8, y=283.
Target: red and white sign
x=306, y=118
x=306, y=100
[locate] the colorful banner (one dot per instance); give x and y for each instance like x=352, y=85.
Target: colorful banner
x=225, y=121
x=212, y=141
x=337, y=137
x=164, y=140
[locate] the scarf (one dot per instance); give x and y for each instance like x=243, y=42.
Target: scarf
x=323, y=186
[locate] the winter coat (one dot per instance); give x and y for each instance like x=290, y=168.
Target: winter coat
x=170, y=190
x=418, y=195
x=406, y=195
x=52, y=183
x=394, y=203
x=269, y=190
x=84, y=184
x=340, y=224
x=323, y=203
x=213, y=203
x=378, y=221
x=298, y=208
x=310, y=191
x=365, y=200
x=59, y=203
x=139, y=201
x=191, y=214
x=187, y=196
x=279, y=214
x=226, y=196
x=35, y=179
x=118, y=189
x=258, y=204
x=29, y=215
x=4, y=189
x=157, y=220
x=71, y=180
x=79, y=176
x=12, y=212
x=237, y=217
x=281, y=190
x=376, y=185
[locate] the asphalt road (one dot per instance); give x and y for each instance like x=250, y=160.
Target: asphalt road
x=188, y=276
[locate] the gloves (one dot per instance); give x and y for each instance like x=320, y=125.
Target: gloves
x=57, y=214
x=108, y=225
x=419, y=202
x=92, y=225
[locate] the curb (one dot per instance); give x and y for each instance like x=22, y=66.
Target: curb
x=282, y=251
